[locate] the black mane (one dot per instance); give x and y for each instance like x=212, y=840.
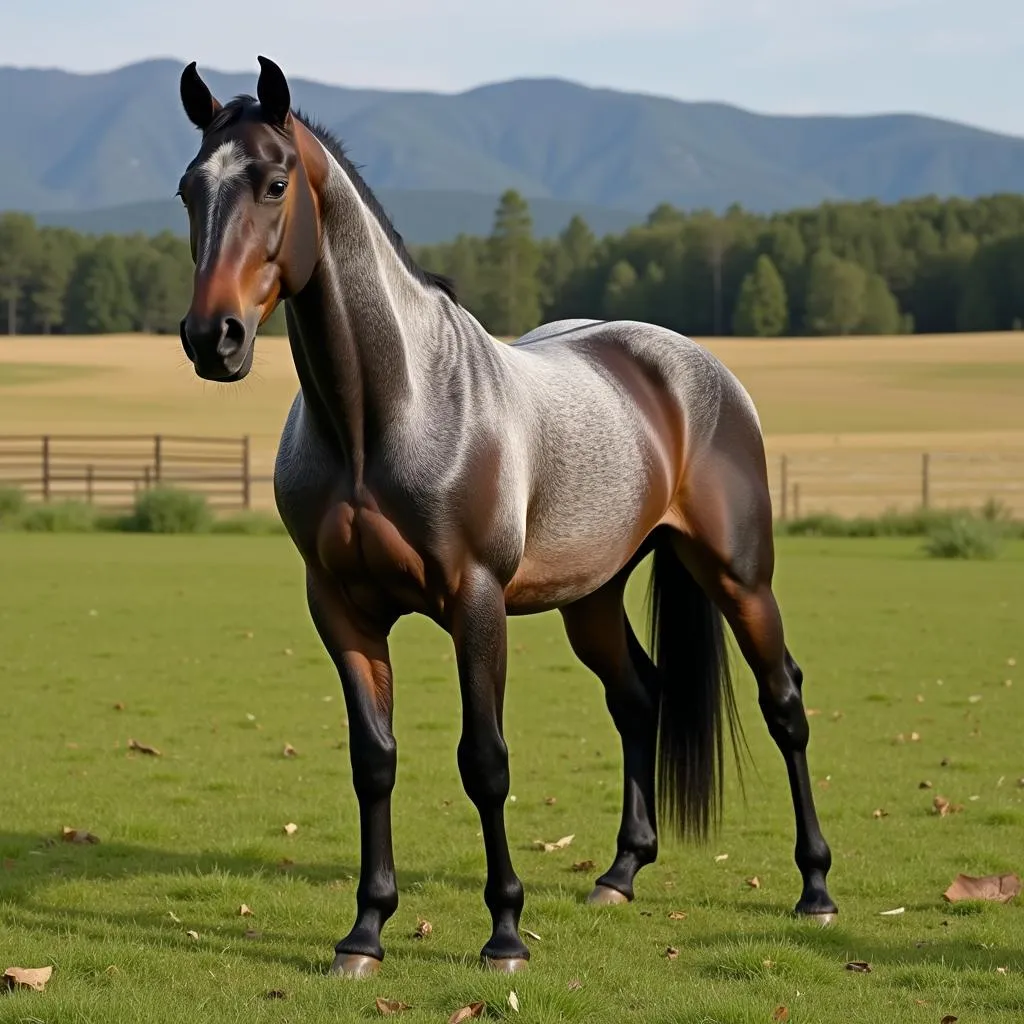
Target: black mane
x=233, y=112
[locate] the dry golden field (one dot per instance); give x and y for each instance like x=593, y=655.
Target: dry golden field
x=852, y=415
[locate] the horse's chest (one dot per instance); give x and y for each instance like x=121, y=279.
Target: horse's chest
x=372, y=556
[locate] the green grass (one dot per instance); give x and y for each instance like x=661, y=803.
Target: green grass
x=207, y=643
x=18, y=374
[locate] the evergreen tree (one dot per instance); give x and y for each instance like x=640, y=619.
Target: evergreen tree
x=55, y=259
x=99, y=298
x=19, y=251
x=761, y=310
x=835, y=294
x=513, y=299
x=881, y=313
x=620, y=292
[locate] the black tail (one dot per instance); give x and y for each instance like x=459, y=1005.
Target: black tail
x=689, y=648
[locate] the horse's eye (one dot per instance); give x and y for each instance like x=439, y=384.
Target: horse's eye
x=276, y=189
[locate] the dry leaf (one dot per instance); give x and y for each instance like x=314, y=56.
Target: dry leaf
x=892, y=913
x=721, y=857
x=974, y=698
x=677, y=915
x=754, y=883
x=34, y=978
x=781, y=1013
x=560, y=844
x=672, y=953
x=575, y=985
x=513, y=1000
x=811, y=712
x=949, y=1019
x=291, y=828
x=914, y=737
x=119, y=706
x=143, y=749
x=174, y=917
x=387, y=1007
x=423, y=928
x=879, y=813
x=1011, y=662
x=550, y=801
x=995, y=888
x=78, y=835
x=924, y=785
x=584, y=865
x=943, y=807
x=467, y=1013
x=194, y=936
x=531, y=935
x=1000, y=970
x=244, y=910
x=290, y=751
x=275, y=993
x=860, y=966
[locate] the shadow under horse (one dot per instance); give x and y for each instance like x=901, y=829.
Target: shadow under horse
x=427, y=468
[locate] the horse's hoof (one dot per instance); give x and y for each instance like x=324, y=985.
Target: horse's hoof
x=504, y=965
x=355, y=965
x=822, y=920
x=606, y=896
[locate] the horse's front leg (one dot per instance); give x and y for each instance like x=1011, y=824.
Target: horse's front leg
x=362, y=660
x=479, y=631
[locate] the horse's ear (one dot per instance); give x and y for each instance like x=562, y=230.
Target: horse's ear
x=196, y=98
x=272, y=91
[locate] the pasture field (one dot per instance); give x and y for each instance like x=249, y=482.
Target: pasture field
x=207, y=644
x=861, y=408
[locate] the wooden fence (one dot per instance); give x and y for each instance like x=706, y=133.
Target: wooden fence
x=110, y=470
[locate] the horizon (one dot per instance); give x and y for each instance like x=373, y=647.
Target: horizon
x=790, y=58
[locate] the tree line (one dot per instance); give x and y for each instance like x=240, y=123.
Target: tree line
x=924, y=265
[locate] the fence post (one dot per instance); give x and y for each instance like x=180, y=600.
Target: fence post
x=785, y=486
x=88, y=483
x=796, y=501
x=145, y=476
x=46, y=468
x=158, y=457
x=925, y=479
x=246, y=475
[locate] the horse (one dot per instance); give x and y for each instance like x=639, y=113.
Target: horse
x=426, y=467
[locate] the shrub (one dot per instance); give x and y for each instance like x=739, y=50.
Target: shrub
x=59, y=517
x=963, y=537
x=254, y=524
x=169, y=510
x=12, y=504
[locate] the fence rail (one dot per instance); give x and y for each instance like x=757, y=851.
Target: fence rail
x=111, y=469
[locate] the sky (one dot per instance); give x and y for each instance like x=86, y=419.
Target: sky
x=956, y=59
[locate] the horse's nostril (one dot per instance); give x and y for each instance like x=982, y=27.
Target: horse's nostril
x=232, y=337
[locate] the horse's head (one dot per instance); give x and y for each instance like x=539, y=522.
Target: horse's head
x=250, y=193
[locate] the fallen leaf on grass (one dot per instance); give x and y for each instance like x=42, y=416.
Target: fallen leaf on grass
x=513, y=1000
x=754, y=883
x=584, y=865
x=467, y=1013
x=423, y=928
x=859, y=966
x=575, y=985
x=194, y=936
x=721, y=857
x=531, y=935
x=550, y=801
x=387, y=1007
x=119, y=706
x=291, y=828
x=811, y=712
x=949, y=1019
x=677, y=915
x=892, y=913
x=781, y=1013
x=34, y=978
x=289, y=751
x=1000, y=970
x=672, y=953
x=879, y=813
x=942, y=807
x=78, y=835
x=174, y=917
x=995, y=888
x=245, y=910
x=142, y=748
x=560, y=844
x=275, y=993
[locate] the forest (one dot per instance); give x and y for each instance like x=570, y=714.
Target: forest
x=921, y=266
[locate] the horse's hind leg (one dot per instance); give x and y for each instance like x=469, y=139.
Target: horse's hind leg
x=601, y=637
x=727, y=545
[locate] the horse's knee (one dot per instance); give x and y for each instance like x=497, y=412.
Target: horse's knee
x=783, y=710
x=483, y=765
x=374, y=767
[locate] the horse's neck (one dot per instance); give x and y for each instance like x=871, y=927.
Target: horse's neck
x=366, y=334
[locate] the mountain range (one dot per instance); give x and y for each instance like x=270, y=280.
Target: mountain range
x=104, y=151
